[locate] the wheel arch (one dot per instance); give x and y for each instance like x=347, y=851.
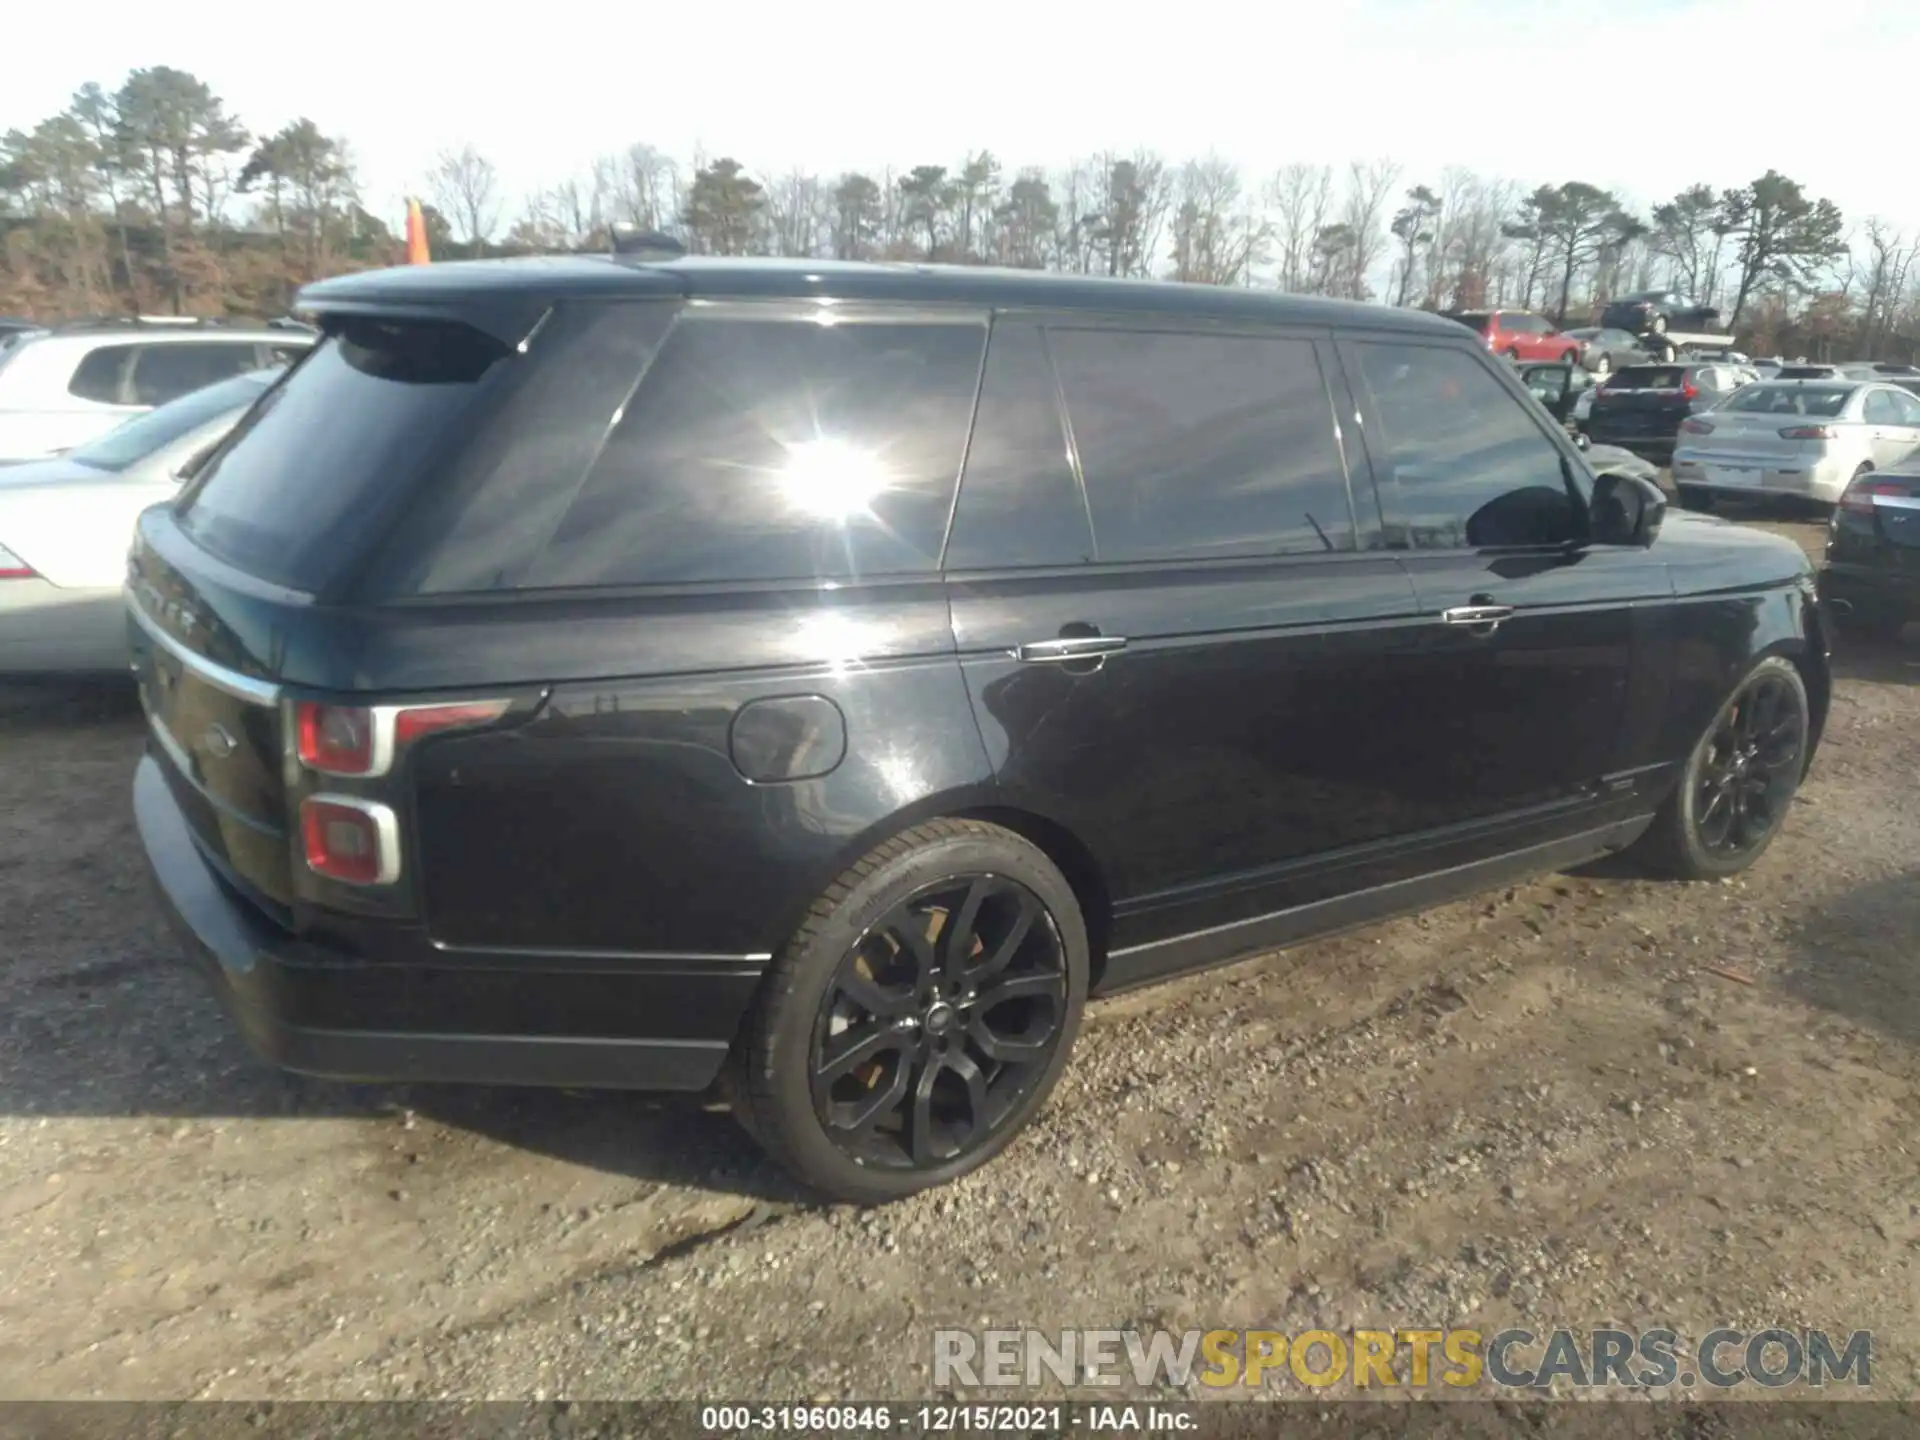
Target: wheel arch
x=1077, y=861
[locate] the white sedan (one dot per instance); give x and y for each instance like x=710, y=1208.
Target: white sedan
x=66, y=523
x=1802, y=438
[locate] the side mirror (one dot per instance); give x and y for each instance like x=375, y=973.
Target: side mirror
x=1626, y=509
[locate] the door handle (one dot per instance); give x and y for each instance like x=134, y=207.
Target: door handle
x=1488, y=616
x=1069, y=647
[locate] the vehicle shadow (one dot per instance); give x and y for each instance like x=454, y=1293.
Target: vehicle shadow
x=1842, y=963
x=1878, y=662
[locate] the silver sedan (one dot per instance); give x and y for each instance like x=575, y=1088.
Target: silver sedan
x=1795, y=438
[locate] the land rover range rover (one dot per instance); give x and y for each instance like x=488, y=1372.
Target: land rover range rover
x=814, y=681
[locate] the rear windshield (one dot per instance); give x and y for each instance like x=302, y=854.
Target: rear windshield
x=1764, y=399
x=1649, y=377
x=137, y=439
x=286, y=495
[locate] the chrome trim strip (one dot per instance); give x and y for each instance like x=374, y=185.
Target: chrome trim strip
x=385, y=823
x=232, y=682
x=177, y=753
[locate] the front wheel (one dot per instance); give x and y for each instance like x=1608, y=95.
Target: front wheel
x=1738, y=782
x=1572, y=357
x=1659, y=324
x=920, y=1017
x=1603, y=367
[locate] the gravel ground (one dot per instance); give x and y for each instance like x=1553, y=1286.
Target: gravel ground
x=1539, y=1106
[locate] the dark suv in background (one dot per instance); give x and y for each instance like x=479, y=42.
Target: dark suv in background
x=818, y=679
x=1642, y=407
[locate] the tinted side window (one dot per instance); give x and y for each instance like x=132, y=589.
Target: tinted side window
x=166, y=372
x=1020, y=503
x=1198, y=446
x=1457, y=459
x=100, y=373
x=777, y=450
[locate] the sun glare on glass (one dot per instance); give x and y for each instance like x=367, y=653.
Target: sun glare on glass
x=830, y=479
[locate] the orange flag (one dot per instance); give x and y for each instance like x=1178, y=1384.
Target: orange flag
x=416, y=235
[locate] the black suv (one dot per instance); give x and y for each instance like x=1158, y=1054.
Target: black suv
x=1871, y=578
x=816, y=680
x=1642, y=407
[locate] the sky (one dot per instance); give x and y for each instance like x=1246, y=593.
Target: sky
x=1529, y=90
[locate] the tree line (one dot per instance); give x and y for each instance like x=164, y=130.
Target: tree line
x=154, y=196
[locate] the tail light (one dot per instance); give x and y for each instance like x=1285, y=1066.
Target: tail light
x=1695, y=427
x=363, y=740
x=1689, y=390
x=1858, y=497
x=354, y=841
x=12, y=567
x=1810, y=432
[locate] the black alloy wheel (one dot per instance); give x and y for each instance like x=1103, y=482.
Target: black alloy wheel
x=1755, y=753
x=1739, y=781
x=919, y=1016
x=942, y=1018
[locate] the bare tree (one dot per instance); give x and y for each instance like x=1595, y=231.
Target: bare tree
x=799, y=214
x=1881, y=275
x=465, y=188
x=1301, y=197
x=1215, y=240
x=646, y=188
x=1370, y=186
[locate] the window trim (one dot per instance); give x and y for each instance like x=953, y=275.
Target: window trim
x=1576, y=475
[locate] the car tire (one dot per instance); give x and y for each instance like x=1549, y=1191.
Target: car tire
x=1659, y=324
x=1738, y=782
x=854, y=962
x=1572, y=357
x=1602, y=367
x=1512, y=352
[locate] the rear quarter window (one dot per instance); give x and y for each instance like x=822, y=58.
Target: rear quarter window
x=101, y=375
x=774, y=449
x=308, y=473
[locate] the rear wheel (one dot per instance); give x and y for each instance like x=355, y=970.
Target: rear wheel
x=920, y=1017
x=1572, y=357
x=1512, y=352
x=1603, y=367
x=1659, y=324
x=1738, y=782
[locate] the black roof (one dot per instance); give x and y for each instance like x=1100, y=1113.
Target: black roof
x=505, y=296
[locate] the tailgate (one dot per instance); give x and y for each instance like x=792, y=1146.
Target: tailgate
x=213, y=711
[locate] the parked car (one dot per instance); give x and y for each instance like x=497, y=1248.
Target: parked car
x=1519, y=335
x=1799, y=438
x=62, y=387
x=1871, y=576
x=643, y=691
x=65, y=525
x=1603, y=350
x=1655, y=312
x=1801, y=370
x=1641, y=407
x=1769, y=369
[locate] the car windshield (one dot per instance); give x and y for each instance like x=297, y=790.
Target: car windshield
x=1824, y=401
x=134, y=441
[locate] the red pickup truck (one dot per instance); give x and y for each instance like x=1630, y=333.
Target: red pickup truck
x=1520, y=335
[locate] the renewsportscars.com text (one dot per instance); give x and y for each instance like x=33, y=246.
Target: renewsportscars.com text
x=1411, y=1358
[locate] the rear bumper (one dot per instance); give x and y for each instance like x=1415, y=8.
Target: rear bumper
x=1821, y=480
x=321, y=1012
x=1894, y=590
x=45, y=629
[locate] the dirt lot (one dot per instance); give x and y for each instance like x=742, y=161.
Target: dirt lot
x=1537, y=1106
